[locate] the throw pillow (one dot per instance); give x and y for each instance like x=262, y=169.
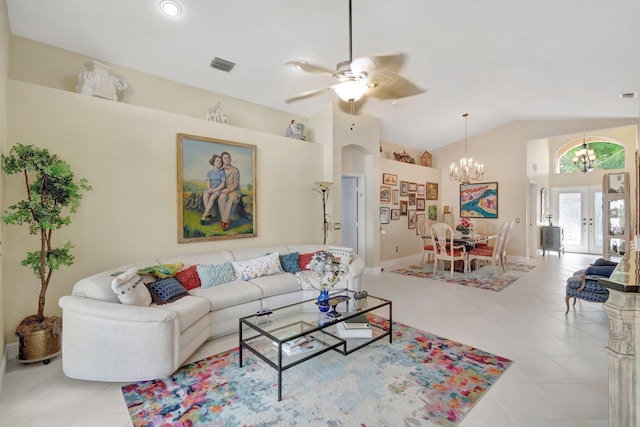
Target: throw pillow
x=304, y=260
x=130, y=288
x=600, y=270
x=189, y=278
x=162, y=270
x=166, y=290
x=262, y=266
x=602, y=261
x=342, y=254
x=215, y=274
x=290, y=262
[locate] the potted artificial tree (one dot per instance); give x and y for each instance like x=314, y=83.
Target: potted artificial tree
x=50, y=188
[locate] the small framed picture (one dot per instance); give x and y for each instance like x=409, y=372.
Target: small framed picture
x=412, y=199
x=395, y=214
x=420, y=204
x=432, y=191
x=413, y=187
x=385, y=194
x=421, y=190
x=395, y=196
x=384, y=215
x=404, y=188
x=389, y=179
x=404, y=207
x=432, y=213
x=617, y=183
x=412, y=219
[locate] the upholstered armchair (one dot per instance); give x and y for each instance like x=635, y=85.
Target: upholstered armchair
x=584, y=283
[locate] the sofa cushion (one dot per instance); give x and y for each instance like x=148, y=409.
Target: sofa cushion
x=304, y=260
x=228, y=294
x=590, y=285
x=190, y=309
x=257, y=267
x=602, y=261
x=290, y=262
x=277, y=284
x=600, y=270
x=189, y=277
x=162, y=270
x=130, y=288
x=342, y=254
x=215, y=274
x=217, y=257
x=245, y=254
x=166, y=290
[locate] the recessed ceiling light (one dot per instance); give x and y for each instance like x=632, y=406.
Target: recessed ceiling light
x=170, y=8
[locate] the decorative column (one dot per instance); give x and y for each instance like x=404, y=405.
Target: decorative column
x=623, y=310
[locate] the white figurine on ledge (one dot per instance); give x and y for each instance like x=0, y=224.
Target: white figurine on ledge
x=98, y=81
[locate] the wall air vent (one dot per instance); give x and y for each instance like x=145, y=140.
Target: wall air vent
x=222, y=64
x=629, y=95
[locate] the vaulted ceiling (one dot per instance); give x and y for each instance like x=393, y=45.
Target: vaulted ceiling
x=498, y=60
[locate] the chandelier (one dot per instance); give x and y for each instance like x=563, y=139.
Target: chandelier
x=585, y=158
x=468, y=170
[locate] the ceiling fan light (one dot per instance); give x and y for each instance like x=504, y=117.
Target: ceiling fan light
x=351, y=90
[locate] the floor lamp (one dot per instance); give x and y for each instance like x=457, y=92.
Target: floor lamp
x=322, y=187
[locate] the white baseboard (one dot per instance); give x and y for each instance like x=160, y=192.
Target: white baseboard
x=392, y=264
x=3, y=367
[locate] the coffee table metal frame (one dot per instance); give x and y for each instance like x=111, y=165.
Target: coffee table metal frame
x=265, y=335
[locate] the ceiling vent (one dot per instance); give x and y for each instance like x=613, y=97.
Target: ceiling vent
x=629, y=95
x=222, y=64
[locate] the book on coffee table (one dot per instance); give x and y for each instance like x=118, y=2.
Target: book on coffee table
x=358, y=322
x=343, y=332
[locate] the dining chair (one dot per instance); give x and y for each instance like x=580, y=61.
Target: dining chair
x=426, y=240
x=489, y=253
x=503, y=255
x=445, y=249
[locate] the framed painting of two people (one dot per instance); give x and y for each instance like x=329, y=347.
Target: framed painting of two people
x=216, y=189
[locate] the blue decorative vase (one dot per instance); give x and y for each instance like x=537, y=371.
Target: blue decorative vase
x=323, y=301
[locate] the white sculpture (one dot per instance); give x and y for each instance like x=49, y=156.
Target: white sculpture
x=217, y=114
x=98, y=81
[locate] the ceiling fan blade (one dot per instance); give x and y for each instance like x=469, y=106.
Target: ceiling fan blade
x=310, y=68
x=308, y=94
x=352, y=108
x=372, y=64
x=392, y=86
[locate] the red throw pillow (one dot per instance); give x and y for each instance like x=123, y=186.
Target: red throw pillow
x=189, y=277
x=303, y=260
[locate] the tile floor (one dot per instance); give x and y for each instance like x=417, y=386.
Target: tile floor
x=559, y=377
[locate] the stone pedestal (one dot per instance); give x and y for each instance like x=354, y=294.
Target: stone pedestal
x=623, y=310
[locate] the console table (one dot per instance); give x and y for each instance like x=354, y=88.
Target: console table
x=552, y=239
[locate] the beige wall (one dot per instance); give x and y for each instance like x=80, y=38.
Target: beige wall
x=128, y=154
x=504, y=153
x=50, y=66
x=4, y=71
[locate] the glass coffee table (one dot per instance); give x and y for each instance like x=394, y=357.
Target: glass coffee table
x=286, y=336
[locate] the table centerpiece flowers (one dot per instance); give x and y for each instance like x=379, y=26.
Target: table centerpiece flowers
x=465, y=227
x=330, y=271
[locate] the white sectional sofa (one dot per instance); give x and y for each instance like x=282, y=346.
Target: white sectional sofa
x=105, y=340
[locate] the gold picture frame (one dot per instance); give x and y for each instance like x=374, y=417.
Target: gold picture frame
x=232, y=213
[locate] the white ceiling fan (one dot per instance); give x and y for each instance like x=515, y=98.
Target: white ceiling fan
x=369, y=76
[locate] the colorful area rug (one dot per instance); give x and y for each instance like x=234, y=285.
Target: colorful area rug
x=418, y=380
x=482, y=278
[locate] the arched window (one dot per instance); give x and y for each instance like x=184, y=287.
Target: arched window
x=609, y=154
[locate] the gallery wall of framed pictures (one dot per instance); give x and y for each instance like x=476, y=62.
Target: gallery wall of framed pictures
x=407, y=192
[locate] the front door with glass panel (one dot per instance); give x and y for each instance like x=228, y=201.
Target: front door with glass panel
x=578, y=210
